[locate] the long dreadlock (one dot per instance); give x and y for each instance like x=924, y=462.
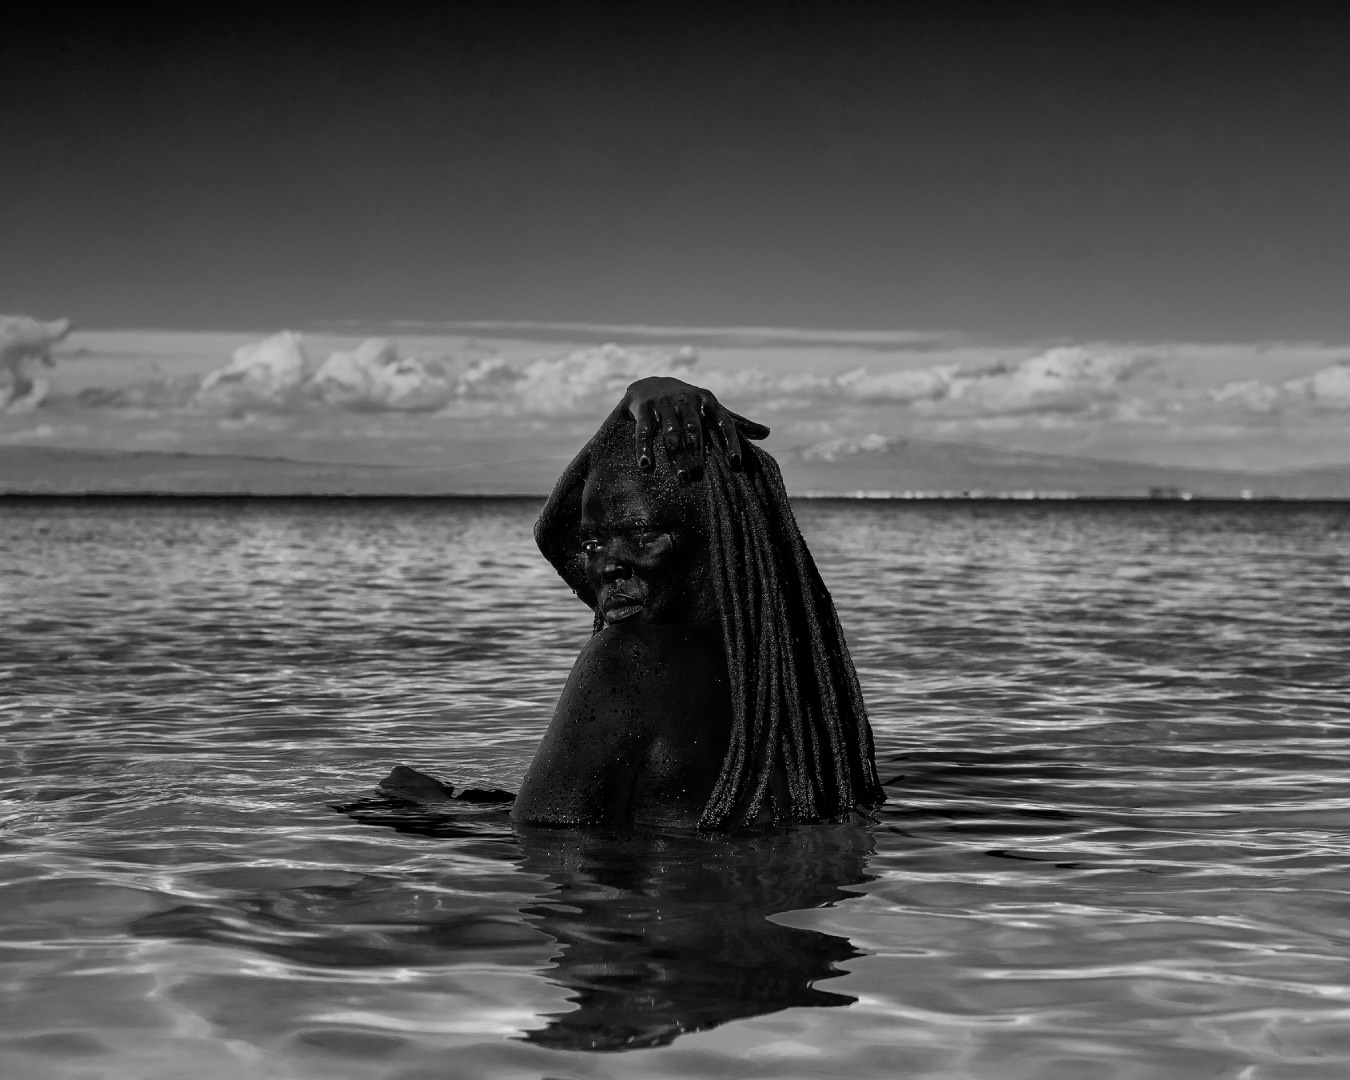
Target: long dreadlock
x=800, y=744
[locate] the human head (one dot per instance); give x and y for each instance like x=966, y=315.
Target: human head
x=642, y=538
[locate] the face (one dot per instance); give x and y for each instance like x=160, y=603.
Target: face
x=645, y=558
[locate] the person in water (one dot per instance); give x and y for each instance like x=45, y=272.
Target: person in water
x=717, y=690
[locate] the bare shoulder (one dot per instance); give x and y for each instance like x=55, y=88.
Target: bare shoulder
x=630, y=686
x=587, y=766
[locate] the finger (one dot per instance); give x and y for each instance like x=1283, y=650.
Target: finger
x=748, y=428
x=674, y=422
x=691, y=426
x=670, y=435
x=726, y=428
x=647, y=426
x=715, y=416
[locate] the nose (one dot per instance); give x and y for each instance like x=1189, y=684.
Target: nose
x=615, y=567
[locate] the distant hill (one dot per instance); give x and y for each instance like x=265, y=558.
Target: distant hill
x=874, y=466
x=52, y=471
x=898, y=466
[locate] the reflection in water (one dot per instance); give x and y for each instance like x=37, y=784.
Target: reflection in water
x=657, y=933
x=662, y=933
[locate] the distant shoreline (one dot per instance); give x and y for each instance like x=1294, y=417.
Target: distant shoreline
x=10, y=498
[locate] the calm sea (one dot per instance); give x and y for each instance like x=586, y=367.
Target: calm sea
x=1116, y=741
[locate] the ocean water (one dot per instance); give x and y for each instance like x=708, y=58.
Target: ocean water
x=1116, y=741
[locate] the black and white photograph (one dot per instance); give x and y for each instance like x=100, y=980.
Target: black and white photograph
x=674, y=542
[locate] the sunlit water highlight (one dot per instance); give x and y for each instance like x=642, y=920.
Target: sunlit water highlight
x=1117, y=842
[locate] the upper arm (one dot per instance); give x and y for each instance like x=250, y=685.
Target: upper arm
x=556, y=530
x=587, y=766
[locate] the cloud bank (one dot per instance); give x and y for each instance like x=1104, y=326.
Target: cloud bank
x=1083, y=387
x=835, y=403
x=277, y=374
x=1068, y=379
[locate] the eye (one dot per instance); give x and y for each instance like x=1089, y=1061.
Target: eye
x=590, y=546
x=647, y=537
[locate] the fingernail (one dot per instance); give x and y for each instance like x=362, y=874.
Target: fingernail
x=735, y=461
x=683, y=474
x=644, y=462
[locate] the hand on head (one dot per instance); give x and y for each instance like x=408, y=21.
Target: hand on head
x=682, y=414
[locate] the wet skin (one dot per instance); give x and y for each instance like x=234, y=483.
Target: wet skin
x=645, y=559
x=642, y=725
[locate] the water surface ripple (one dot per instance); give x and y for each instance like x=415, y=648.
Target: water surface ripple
x=1117, y=842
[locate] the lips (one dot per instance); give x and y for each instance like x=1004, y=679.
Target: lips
x=620, y=607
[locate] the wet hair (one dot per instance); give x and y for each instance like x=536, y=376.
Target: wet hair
x=800, y=745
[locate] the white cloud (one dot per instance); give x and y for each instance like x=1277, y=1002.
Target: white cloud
x=276, y=374
x=374, y=376
x=1250, y=394
x=1064, y=379
x=834, y=449
x=263, y=374
x=25, y=339
x=900, y=387
x=24, y=343
x=1326, y=388
x=567, y=384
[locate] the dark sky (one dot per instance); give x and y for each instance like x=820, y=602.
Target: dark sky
x=1014, y=170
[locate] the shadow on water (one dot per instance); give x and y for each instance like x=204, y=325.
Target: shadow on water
x=655, y=933
x=661, y=934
